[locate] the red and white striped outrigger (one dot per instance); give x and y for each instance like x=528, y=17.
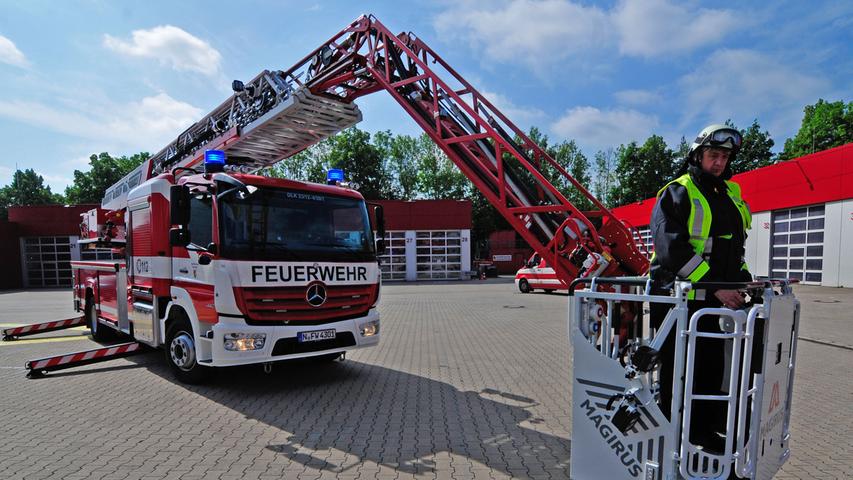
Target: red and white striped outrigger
x=37, y=368
x=25, y=330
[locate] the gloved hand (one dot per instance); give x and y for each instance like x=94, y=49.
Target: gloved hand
x=730, y=298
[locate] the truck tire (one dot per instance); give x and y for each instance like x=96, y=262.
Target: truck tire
x=524, y=286
x=181, y=354
x=100, y=333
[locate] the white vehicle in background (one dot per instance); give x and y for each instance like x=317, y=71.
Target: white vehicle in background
x=538, y=274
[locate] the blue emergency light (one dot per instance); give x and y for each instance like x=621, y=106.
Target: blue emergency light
x=214, y=161
x=334, y=176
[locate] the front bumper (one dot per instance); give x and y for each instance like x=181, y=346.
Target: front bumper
x=213, y=352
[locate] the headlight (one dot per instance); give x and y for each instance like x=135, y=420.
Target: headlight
x=370, y=329
x=241, y=342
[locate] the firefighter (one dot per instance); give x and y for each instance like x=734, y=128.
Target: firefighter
x=699, y=228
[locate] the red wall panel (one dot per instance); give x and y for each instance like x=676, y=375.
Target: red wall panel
x=427, y=214
x=48, y=220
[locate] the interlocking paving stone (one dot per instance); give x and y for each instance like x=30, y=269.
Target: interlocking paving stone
x=471, y=380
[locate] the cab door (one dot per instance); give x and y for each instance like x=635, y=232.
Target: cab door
x=190, y=271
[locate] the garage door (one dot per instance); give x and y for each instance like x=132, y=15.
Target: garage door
x=643, y=240
x=439, y=254
x=47, y=261
x=393, y=262
x=798, y=244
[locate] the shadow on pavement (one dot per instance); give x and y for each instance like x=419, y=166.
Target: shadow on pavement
x=386, y=416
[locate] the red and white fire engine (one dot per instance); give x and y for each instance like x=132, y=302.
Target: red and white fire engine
x=231, y=269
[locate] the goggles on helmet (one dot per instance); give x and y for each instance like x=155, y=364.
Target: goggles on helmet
x=721, y=137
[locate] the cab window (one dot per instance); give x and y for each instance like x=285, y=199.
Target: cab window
x=201, y=220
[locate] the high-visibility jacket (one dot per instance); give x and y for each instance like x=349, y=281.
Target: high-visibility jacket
x=699, y=228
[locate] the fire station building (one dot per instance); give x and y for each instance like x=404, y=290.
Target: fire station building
x=802, y=218
x=426, y=240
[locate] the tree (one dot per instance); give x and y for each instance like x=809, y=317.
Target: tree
x=567, y=154
x=401, y=153
x=642, y=170
x=27, y=188
x=825, y=125
x=309, y=165
x=604, y=176
x=351, y=151
x=437, y=176
x=105, y=170
x=755, y=152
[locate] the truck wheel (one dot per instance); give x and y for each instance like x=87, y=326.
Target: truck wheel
x=524, y=286
x=100, y=333
x=181, y=354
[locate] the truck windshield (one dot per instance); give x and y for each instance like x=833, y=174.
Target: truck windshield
x=277, y=224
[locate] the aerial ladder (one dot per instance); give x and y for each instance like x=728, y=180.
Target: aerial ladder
x=282, y=112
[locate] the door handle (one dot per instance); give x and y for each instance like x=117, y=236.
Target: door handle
x=183, y=270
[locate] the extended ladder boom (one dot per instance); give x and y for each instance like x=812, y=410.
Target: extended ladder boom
x=280, y=113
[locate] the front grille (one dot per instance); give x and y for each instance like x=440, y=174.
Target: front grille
x=287, y=306
x=289, y=346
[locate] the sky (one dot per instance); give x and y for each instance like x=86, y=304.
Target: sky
x=84, y=77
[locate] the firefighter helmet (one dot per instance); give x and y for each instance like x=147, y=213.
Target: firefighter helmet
x=717, y=135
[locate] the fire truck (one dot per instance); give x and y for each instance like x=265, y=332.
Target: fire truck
x=220, y=267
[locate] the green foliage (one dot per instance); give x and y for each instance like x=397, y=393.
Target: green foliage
x=27, y=188
x=105, y=170
x=755, y=152
x=567, y=155
x=351, y=150
x=401, y=153
x=825, y=125
x=642, y=170
x=437, y=176
x=604, y=175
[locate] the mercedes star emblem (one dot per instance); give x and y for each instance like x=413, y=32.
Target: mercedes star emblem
x=316, y=294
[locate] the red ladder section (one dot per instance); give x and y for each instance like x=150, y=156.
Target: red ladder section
x=501, y=161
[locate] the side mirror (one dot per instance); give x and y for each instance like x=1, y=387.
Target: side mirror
x=379, y=214
x=179, y=237
x=179, y=205
x=205, y=258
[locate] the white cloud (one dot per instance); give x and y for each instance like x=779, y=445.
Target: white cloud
x=594, y=128
x=650, y=28
x=638, y=97
x=512, y=111
x=144, y=125
x=545, y=32
x=743, y=85
x=10, y=54
x=171, y=46
x=530, y=31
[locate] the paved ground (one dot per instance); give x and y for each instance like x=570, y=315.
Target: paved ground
x=472, y=380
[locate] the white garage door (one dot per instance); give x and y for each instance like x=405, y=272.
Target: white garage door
x=643, y=240
x=393, y=262
x=798, y=244
x=439, y=254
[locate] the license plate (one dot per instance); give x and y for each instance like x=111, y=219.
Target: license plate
x=315, y=336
